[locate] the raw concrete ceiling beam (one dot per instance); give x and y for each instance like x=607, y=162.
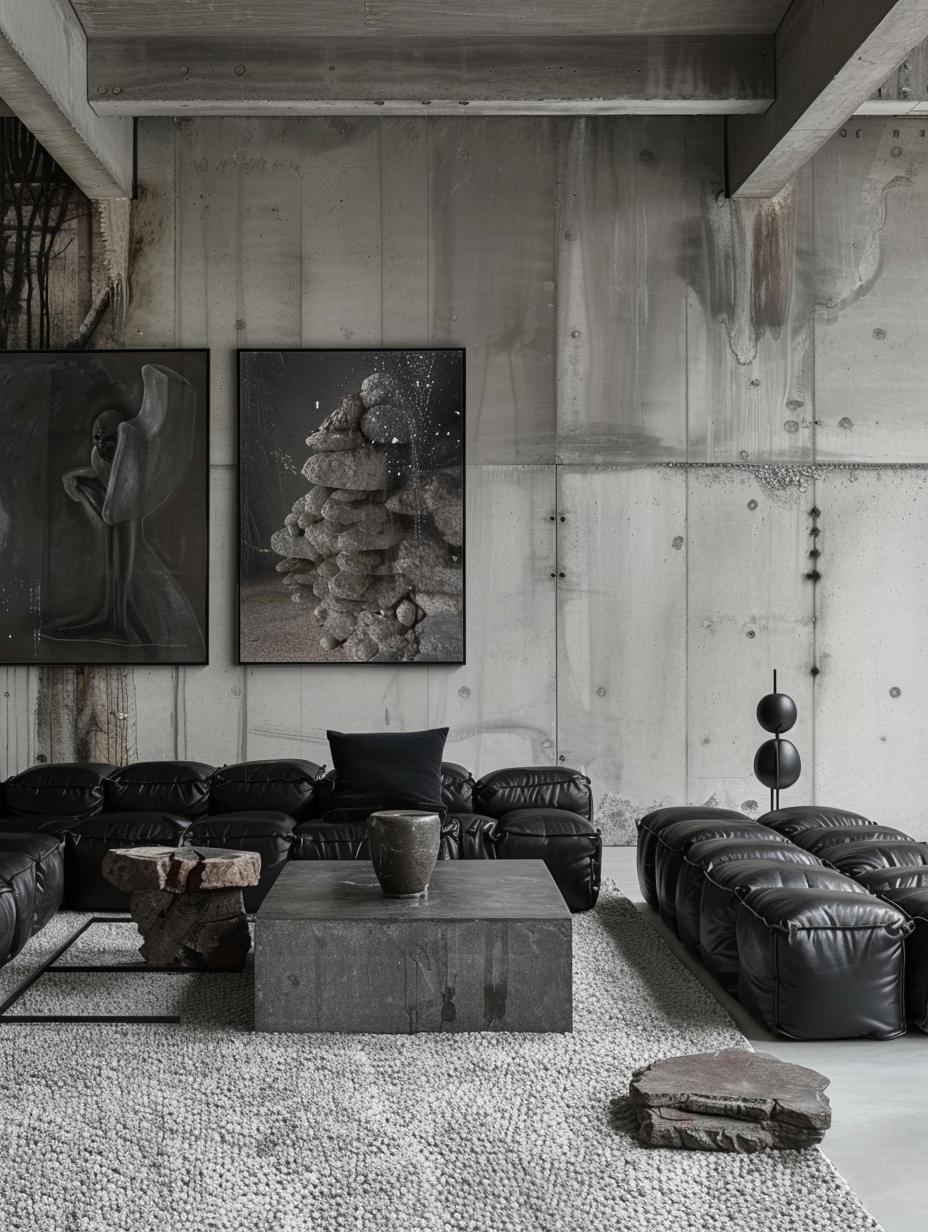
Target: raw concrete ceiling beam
x=302, y=76
x=43, y=67
x=830, y=56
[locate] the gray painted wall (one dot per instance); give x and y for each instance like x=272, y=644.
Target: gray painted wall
x=661, y=385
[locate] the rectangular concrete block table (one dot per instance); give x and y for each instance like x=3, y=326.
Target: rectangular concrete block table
x=488, y=949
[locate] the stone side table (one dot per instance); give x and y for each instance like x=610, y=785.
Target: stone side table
x=187, y=902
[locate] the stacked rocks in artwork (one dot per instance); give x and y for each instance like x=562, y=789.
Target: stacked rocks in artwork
x=376, y=542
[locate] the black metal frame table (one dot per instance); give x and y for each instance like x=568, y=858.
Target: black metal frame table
x=52, y=965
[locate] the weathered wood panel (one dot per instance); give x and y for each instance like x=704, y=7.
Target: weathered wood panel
x=491, y=271
x=622, y=638
x=871, y=236
x=750, y=610
x=500, y=706
x=871, y=718
x=749, y=337
x=621, y=291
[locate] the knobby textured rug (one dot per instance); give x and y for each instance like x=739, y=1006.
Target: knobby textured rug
x=209, y=1127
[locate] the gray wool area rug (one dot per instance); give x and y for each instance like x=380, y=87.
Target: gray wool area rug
x=208, y=1127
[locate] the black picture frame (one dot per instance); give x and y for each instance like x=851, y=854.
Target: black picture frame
x=104, y=507
x=351, y=505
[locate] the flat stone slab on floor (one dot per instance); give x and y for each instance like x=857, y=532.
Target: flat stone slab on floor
x=489, y=948
x=732, y=1100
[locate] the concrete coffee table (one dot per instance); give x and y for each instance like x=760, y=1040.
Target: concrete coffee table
x=488, y=949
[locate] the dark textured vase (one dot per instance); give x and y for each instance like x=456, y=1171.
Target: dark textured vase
x=404, y=848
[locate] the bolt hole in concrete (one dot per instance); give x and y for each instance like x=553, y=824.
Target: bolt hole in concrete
x=894, y=692
x=752, y=504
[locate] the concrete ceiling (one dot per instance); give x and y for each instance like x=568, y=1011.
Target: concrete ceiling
x=785, y=74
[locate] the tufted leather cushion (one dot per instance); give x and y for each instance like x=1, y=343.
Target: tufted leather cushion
x=284, y=785
x=457, y=788
x=856, y=858
x=822, y=964
x=833, y=836
x=521, y=787
x=913, y=900
x=179, y=787
x=725, y=885
x=269, y=832
x=711, y=853
x=651, y=825
x=47, y=854
x=793, y=820
x=66, y=789
x=87, y=842
x=567, y=842
x=17, y=870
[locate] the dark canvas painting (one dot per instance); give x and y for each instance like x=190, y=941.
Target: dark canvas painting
x=104, y=499
x=352, y=506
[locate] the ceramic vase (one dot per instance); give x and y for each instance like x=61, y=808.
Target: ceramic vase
x=403, y=848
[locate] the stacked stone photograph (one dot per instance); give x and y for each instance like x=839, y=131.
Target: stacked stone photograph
x=375, y=544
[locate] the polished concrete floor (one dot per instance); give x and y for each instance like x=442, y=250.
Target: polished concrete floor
x=878, y=1091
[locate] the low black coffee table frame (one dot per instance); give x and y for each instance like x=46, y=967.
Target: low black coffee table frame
x=52, y=965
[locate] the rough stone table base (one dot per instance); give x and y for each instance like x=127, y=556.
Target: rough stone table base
x=733, y=1100
x=187, y=902
x=198, y=929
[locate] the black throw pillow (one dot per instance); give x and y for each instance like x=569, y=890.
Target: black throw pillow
x=388, y=770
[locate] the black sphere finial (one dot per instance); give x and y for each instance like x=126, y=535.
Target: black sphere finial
x=777, y=763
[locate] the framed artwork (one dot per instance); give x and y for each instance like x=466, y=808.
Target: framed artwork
x=351, y=506
x=104, y=501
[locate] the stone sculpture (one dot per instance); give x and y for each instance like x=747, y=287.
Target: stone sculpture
x=377, y=540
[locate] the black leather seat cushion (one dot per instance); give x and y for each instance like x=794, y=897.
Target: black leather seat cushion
x=72, y=790
x=724, y=885
x=178, y=787
x=7, y=921
x=796, y=818
x=478, y=836
x=876, y=880
x=833, y=836
x=522, y=787
x=268, y=832
x=86, y=889
x=567, y=842
x=913, y=900
x=285, y=785
x=709, y=854
x=342, y=835
x=651, y=825
x=822, y=964
x=47, y=853
x=673, y=842
x=856, y=858
x=17, y=870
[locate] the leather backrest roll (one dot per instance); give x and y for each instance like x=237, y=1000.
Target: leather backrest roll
x=876, y=880
x=64, y=789
x=653, y=823
x=518, y=787
x=833, y=836
x=286, y=785
x=457, y=788
x=856, y=858
x=784, y=908
x=796, y=818
x=742, y=876
x=180, y=787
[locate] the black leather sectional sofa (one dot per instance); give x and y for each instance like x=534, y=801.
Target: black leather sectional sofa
x=58, y=821
x=814, y=917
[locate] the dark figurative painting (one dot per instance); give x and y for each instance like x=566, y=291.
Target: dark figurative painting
x=352, y=506
x=104, y=498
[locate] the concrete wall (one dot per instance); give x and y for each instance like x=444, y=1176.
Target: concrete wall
x=661, y=385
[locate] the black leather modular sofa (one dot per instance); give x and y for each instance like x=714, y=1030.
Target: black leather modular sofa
x=58, y=821
x=815, y=918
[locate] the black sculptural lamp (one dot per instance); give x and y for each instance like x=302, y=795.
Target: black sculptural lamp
x=776, y=762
